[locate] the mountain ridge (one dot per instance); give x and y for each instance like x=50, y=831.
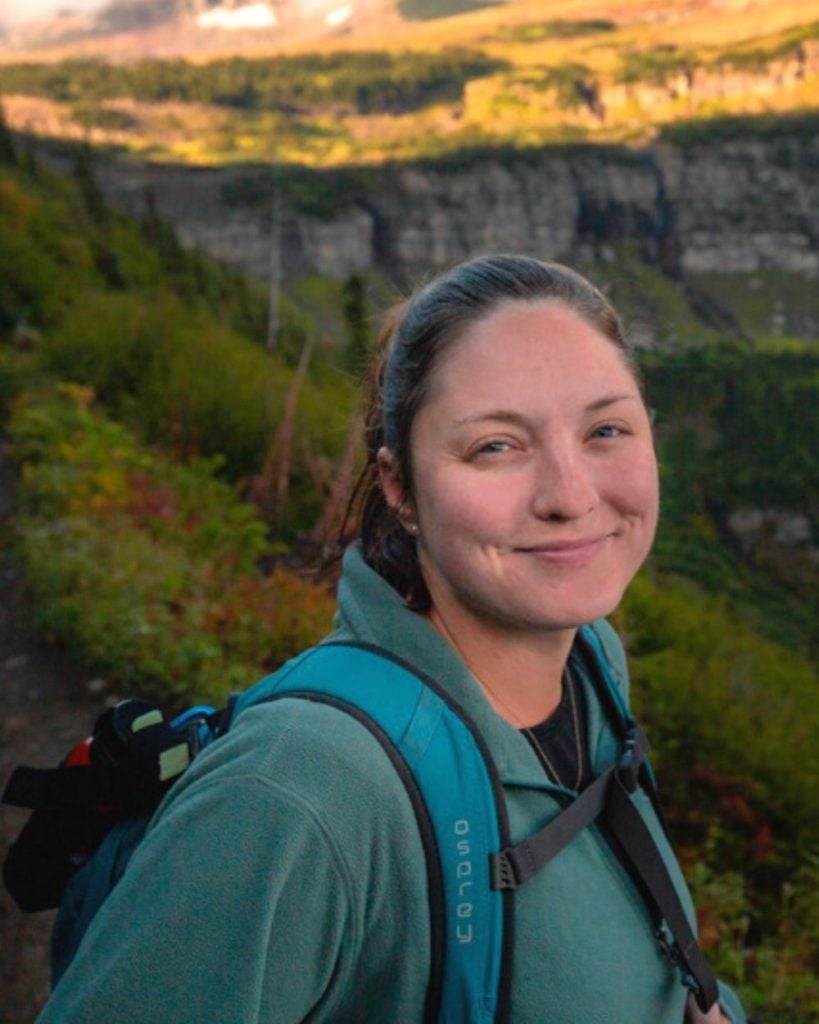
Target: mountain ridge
x=381, y=85
x=699, y=211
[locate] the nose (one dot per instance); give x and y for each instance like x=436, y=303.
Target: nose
x=564, y=485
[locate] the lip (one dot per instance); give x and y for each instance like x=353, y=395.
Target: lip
x=568, y=550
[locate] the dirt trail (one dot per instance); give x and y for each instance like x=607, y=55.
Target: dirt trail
x=46, y=708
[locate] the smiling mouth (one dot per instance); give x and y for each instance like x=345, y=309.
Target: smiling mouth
x=568, y=551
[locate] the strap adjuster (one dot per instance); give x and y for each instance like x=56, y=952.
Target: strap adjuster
x=629, y=766
x=671, y=951
x=502, y=874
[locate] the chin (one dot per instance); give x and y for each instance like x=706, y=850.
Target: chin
x=572, y=615
x=540, y=618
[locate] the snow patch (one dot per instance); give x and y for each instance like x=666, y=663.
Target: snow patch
x=248, y=16
x=338, y=16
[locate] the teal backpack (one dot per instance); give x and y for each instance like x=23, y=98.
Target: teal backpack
x=91, y=812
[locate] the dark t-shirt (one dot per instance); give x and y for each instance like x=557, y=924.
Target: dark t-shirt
x=557, y=737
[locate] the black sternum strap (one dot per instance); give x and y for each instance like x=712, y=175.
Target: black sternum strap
x=517, y=864
x=608, y=798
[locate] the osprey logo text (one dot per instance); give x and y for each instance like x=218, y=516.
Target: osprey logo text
x=463, y=874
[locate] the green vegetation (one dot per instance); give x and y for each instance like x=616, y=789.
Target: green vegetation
x=359, y=332
x=318, y=193
x=773, y=306
x=178, y=374
x=737, y=428
x=756, y=56
x=429, y=10
x=146, y=568
x=573, y=83
x=170, y=342
x=367, y=82
x=456, y=77
x=55, y=245
x=733, y=720
x=655, y=66
x=711, y=130
x=556, y=28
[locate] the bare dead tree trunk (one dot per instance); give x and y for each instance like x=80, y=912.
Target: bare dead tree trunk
x=330, y=520
x=269, y=489
x=274, y=280
x=319, y=468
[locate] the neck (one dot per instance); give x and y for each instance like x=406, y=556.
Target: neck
x=520, y=673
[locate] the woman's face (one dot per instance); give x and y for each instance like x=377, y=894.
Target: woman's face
x=534, y=482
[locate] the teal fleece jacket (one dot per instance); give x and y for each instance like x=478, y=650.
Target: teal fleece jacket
x=283, y=880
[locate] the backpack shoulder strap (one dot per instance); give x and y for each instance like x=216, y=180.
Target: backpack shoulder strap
x=457, y=796
x=608, y=799
x=602, y=651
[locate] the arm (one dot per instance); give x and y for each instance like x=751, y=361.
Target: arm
x=216, y=921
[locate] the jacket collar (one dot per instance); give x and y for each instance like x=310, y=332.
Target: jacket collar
x=371, y=611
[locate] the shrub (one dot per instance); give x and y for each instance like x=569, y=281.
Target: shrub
x=196, y=387
x=733, y=719
x=185, y=380
x=656, y=65
x=43, y=262
x=723, y=702
x=144, y=568
x=558, y=28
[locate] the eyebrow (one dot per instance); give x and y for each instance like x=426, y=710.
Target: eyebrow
x=509, y=416
x=607, y=400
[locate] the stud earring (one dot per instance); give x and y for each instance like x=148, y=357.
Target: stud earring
x=413, y=529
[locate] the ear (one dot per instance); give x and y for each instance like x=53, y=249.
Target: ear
x=392, y=484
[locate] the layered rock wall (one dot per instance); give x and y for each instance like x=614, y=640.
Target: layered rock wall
x=742, y=205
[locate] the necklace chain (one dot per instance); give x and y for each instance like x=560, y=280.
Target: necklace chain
x=541, y=754
x=568, y=681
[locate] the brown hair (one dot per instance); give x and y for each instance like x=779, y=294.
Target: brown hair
x=414, y=335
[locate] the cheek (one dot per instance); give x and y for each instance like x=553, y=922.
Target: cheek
x=633, y=485
x=451, y=508
x=643, y=489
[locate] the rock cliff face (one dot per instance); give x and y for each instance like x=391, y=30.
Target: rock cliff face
x=742, y=205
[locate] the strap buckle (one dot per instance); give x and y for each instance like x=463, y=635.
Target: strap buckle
x=667, y=945
x=671, y=951
x=628, y=767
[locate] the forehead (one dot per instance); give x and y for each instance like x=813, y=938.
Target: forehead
x=539, y=348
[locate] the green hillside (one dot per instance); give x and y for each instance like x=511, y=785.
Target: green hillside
x=450, y=77
x=141, y=404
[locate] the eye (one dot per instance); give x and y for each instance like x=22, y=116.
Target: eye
x=606, y=430
x=495, y=446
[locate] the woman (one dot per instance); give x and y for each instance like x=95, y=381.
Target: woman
x=510, y=495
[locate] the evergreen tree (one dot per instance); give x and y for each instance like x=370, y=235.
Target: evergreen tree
x=354, y=306
x=86, y=178
x=161, y=234
x=8, y=151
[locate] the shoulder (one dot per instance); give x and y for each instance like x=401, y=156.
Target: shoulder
x=320, y=776
x=308, y=752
